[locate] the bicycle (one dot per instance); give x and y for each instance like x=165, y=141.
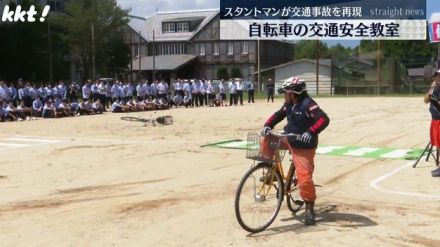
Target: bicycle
x=164, y=120
x=267, y=154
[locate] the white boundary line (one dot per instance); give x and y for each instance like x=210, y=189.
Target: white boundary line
x=375, y=184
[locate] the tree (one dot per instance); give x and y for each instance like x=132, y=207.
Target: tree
x=106, y=17
x=23, y=48
x=306, y=49
x=222, y=73
x=235, y=73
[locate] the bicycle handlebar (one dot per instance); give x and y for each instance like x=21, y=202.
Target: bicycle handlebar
x=282, y=134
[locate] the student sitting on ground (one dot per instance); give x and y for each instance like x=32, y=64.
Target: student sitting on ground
x=149, y=103
x=116, y=106
x=85, y=108
x=15, y=112
x=49, y=109
x=74, y=107
x=37, y=107
x=97, y=107
x=131, y=106
x=177, y=101
x=24, y=112
x=62, y=109
x=187, y=100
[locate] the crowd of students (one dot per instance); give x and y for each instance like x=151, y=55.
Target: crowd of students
x=25, y=100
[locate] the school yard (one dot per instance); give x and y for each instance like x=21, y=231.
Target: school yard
x=100, y=181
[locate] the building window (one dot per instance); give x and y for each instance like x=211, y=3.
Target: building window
x=230, y=48
x=216, y=49
x=169, y=27
x=202, y=49
x=136, y=51
x=182, y=27
x=244, y=47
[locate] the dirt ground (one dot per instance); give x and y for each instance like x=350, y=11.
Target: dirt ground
x=100, y=181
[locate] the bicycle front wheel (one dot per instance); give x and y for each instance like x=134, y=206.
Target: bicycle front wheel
x=258, y=198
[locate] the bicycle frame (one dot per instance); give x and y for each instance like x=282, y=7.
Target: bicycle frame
x=278, y=167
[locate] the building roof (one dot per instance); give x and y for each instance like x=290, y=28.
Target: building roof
x=322, y=62
x=147, y=25
x=163, y=62
x=138, y=25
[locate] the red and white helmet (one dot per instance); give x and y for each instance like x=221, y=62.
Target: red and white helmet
x=294, y=85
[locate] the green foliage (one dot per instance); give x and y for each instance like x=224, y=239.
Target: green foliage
x=235, y=73
x=306, y=49
x=106, y=17
x=222, y=72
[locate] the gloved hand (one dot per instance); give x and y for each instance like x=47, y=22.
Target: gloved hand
x=306, y=137
x=266, y=131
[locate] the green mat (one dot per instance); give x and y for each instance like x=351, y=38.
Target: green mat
x=333, y=150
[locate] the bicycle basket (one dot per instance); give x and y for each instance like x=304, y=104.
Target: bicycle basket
x=262, y=148
x=165, y=120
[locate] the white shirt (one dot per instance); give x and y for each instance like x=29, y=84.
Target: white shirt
x=86, y=91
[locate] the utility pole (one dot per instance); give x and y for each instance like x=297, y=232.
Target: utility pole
x=378, y=68
x=131, y=55
x=50, y=52
x=154, y=57
x=317, y=66
x=93, y=53
x=258, y=66
x=140, y=57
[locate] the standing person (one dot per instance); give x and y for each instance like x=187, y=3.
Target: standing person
x=86, y=91
x=102, y=89
x=41, y=93
x=195, y=93
x=187, y=89
x=147, y=90
x=203, y=89
x=306, y=119
x=222, y=91
x=48, y=91
x=3, y=92
x=162, y=90
x=202, y=93
x=33, y=93
x=128, y=93
x=62, y=90
x=270, y=89
x=74, y=91
x=14, y=94
x=108, y=94
x=232, y=93
x=154, y=89
x=178, y=87
x=27, y=95
x=140, y=91
x=95, y=90
x=211, y=93
x=240, y=91
x=250, y=85
x=115, y=92
x=433, y=97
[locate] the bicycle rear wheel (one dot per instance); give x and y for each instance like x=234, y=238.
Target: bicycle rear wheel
x=132, y=119
x=258, y=198
x=294, y=199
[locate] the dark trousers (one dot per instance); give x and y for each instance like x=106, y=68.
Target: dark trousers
x=27, y=101
x=270, y=92
x=232, y=99
x=251, y=96
x=200, y=96
x=240, y=96
x=194, y=100
x=205, y=98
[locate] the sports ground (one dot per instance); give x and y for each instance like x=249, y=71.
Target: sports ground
x=100, y=181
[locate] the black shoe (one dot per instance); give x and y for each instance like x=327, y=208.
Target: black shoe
x=436, y=172
x=310, y=214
